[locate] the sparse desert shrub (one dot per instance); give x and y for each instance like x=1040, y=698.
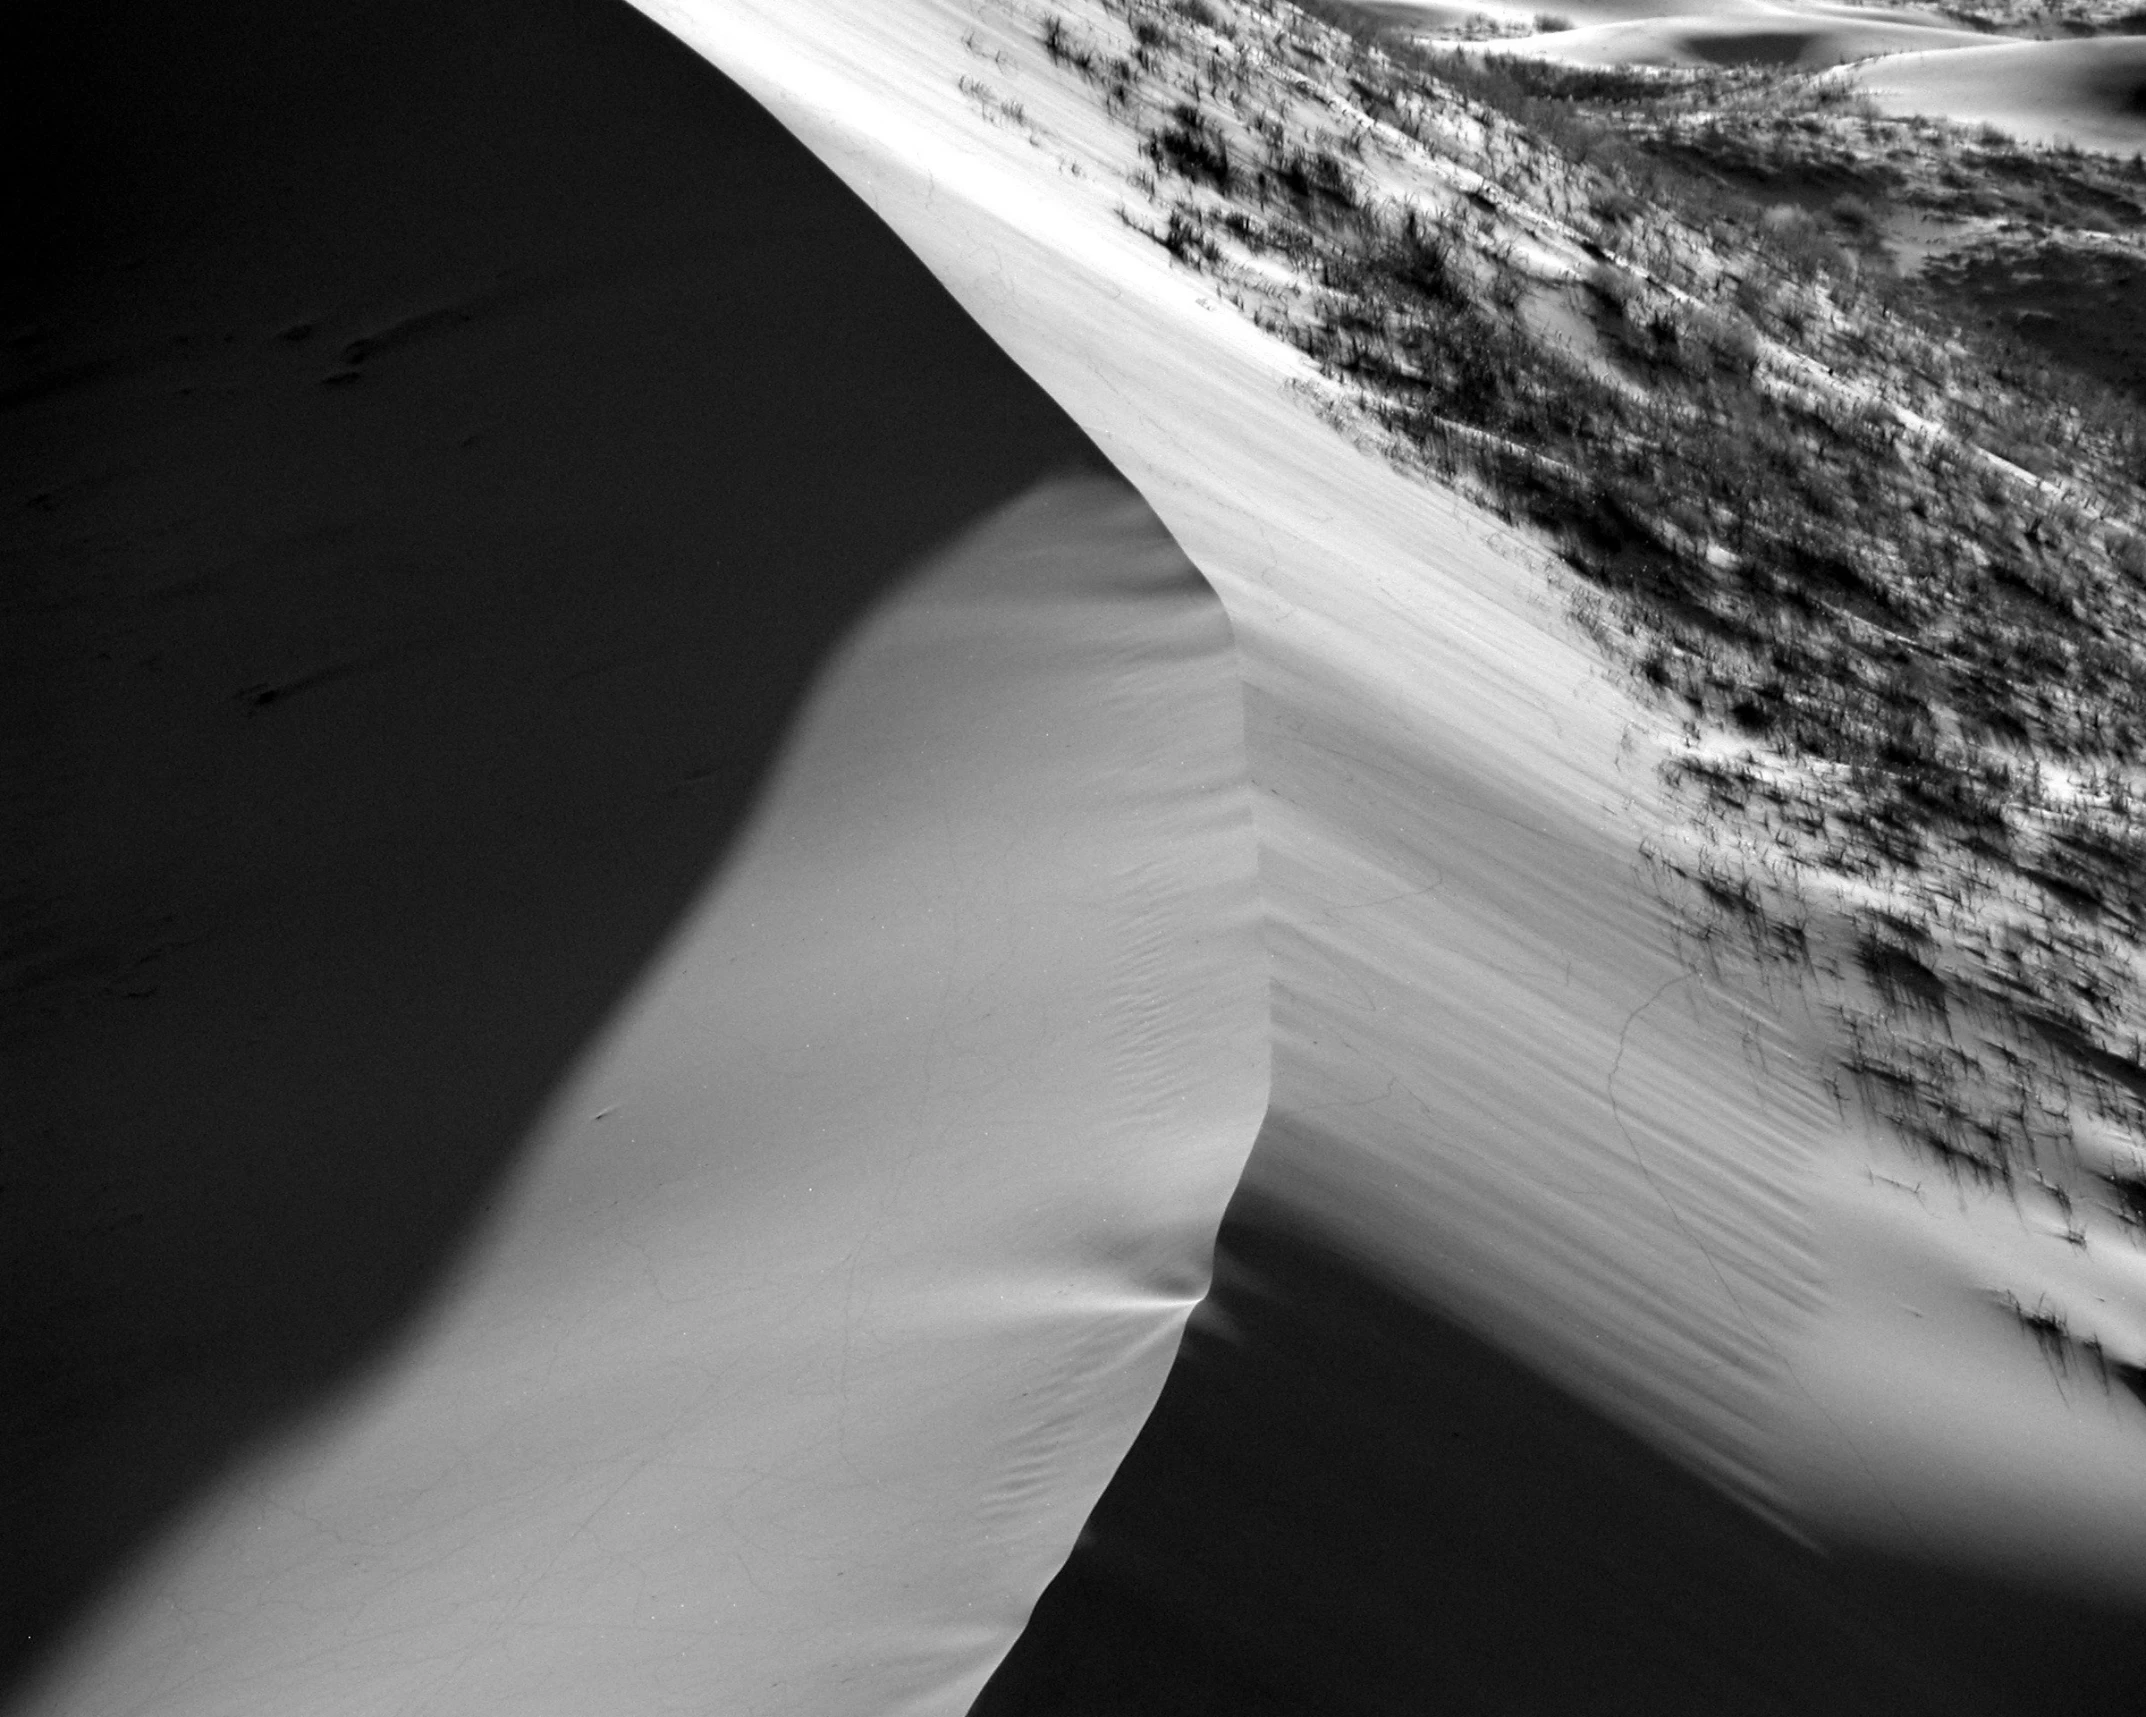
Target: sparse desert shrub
x=1059, y=44
x=1191, y=148
x=1421, y=258
x=1854, y=213
x=1311, y=178
x=1798, y=241
x=1730, y=342
x=1187, y=239
x=1614, y=287
x=1905, y=630
x=1150, y=42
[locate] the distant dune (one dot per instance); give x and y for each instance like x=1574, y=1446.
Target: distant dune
x=2091, y=92
x=1747, y=35
x=633, y=991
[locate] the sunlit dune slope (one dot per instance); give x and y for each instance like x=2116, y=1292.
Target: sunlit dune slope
x=634, y=987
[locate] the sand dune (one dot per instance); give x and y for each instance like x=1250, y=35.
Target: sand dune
x=1499, y=1096
x=2091, y=93
x=1445, y=15
x=834, y=1280
x=1554, y=1362
x=635, y=981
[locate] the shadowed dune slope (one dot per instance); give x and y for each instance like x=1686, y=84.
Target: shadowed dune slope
x=443, y=442
x=1347, y=1502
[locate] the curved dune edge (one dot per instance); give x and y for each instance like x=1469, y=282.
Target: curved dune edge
x=2091, y=93
x=838, y=1277
x=1496, y=1086
x=675, y=1157
x=1478, y=1012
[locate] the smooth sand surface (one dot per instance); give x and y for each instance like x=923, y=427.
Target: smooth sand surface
x=634, y=981
x=2091, y=93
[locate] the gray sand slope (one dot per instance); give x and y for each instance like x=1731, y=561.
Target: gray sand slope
x=452, y=449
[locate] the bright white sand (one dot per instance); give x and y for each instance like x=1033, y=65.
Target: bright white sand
x=838, y=1278
x=2091, y=93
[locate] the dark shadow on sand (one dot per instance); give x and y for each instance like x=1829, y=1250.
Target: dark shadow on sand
x=1752, y=48
x=1345, y=1503
x=442, y=439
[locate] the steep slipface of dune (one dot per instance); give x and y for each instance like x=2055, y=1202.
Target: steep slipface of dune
x=635, y=986
x=2091, y=93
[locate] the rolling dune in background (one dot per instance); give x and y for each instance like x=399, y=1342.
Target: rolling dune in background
x=2090, y=93
x=1777, y=36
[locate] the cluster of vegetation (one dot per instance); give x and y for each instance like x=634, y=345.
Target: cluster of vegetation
x=2039, y=255
x=2066, y=1352
x=1887, y=567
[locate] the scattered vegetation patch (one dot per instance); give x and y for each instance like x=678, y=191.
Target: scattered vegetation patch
x=2069, y=1354
x=1879, y=554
